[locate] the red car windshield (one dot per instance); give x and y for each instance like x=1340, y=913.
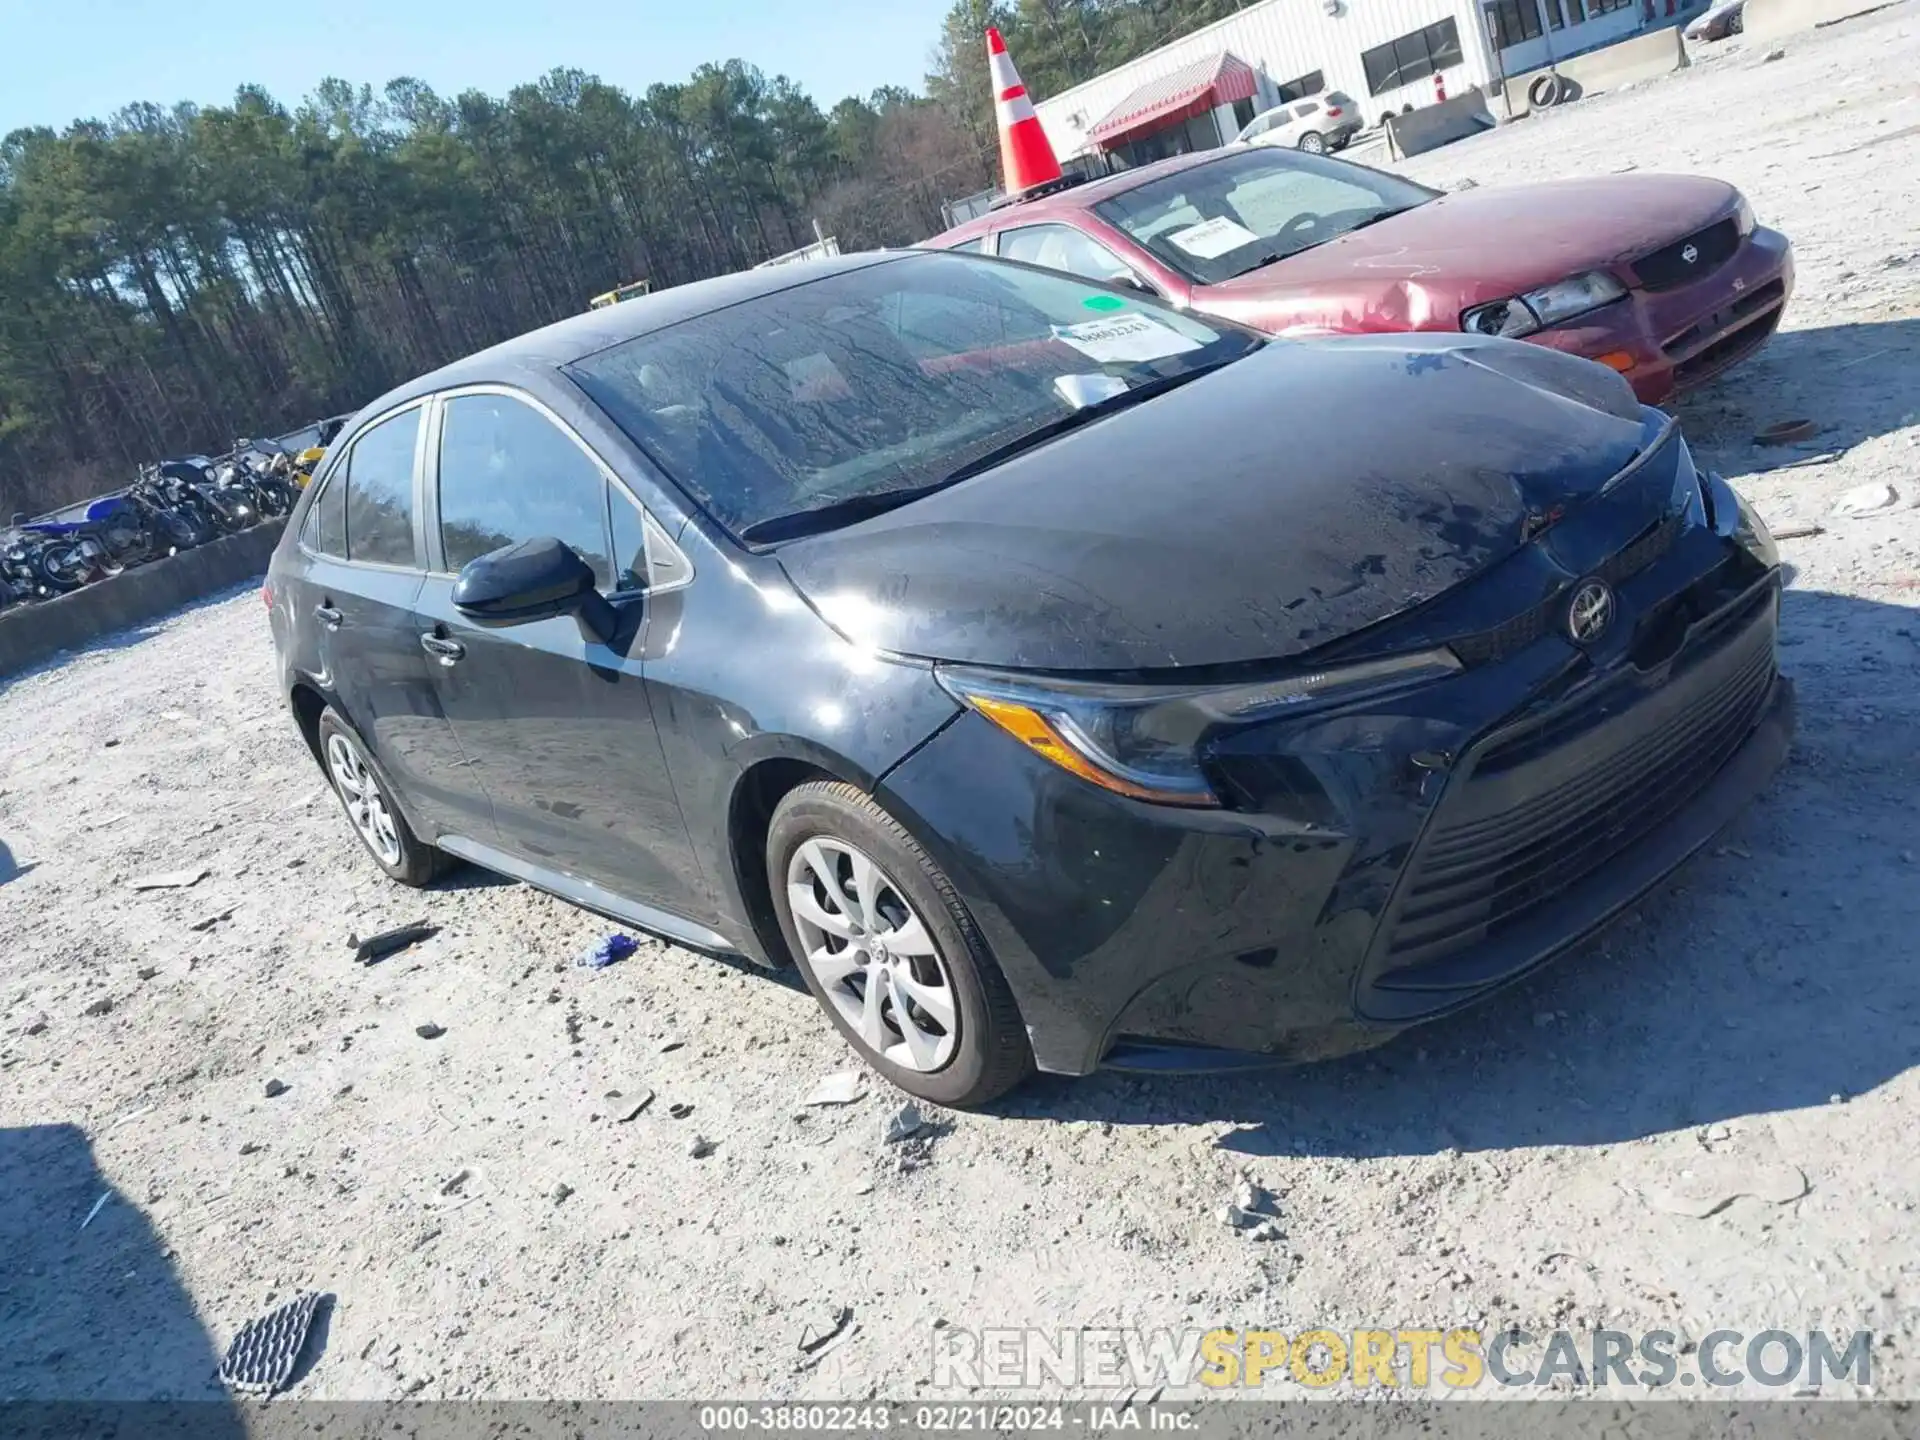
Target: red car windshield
x=1253, y=207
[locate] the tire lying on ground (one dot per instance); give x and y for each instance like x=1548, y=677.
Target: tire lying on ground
x=1547, y=91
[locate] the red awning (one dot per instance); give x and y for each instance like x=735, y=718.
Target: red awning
x=1194, y=89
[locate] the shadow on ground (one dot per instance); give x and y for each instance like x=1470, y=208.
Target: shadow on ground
x=1855, y=382
x=1771, y=972
x=10, y=868
x=92, y=1310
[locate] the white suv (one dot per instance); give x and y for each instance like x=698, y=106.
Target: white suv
x=1317, y=124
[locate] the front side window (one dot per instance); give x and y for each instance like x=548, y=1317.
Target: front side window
x=507, y=474
x=1061, y=247
x=378, y=472
x=1253, y=207
x=850, y=393
x=325, y=530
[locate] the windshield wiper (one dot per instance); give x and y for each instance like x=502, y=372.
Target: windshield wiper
x=850, y=509
x=1125, y=399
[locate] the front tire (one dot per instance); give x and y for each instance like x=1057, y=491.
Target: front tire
x=890, y=952
x=366, y=798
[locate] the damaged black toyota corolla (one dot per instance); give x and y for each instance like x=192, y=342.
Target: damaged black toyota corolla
x=1057, y=679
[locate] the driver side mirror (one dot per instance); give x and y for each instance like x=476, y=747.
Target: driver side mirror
x=534, y=580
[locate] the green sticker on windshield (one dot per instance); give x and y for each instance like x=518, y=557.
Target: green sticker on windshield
x=1104, y=302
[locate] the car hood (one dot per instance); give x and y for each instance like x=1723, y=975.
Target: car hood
x=1281, y=503
x=1423, y=266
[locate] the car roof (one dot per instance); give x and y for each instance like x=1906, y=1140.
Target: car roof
x=578, y=336
x=1078, y=197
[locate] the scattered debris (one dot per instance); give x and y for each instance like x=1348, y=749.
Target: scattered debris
x=1709, y=1188
x=171, y=879
x=251, y=1147
x=452, y=1185
x=679, y=1110
x=102, y=1006
x=1785, y=432
x=1868, y=499
x=217, y=918
x=388, y=942
x=667, y=1047
x=263, y=1355
x=147, y=972
x=1251, y=1210
x=131, y=1116
x=38, y=1027
x=609, y=951
x=429, y=1031
x=841, y=1088
x=630, y=1106
x=561, y=1192
x=902, y=1124
x=98, y=1205
x=701, y=1147
x=276, y=1088
x=1773, y=55
x=813, y=1336
x=1542, y=1019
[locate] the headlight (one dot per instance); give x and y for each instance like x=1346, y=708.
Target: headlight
x=1743, y=218
x=1537, y=309
x=1143, y=741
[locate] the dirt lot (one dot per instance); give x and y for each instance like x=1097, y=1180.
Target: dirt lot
x=489, y=1228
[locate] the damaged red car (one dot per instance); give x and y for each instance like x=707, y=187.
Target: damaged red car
x=1664, y=278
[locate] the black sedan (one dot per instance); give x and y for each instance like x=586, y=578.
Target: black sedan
x=1055, y=678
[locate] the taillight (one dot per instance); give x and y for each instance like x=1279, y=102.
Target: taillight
x=266, y=594
x=1333, y=110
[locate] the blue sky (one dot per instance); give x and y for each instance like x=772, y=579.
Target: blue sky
x=61, y=60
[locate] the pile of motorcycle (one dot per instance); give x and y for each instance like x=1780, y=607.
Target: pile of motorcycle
x=172, y=506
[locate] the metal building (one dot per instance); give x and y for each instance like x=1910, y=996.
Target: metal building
x=1197, y=91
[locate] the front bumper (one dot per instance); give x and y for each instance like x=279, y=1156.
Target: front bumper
x=1377, y=869
x=1675, y=340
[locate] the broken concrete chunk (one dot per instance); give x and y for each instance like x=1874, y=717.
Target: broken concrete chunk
x=841, y=1088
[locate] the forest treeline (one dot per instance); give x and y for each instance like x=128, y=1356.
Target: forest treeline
x=173, y=277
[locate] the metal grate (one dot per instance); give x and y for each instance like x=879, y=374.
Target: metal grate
x=1670, y=267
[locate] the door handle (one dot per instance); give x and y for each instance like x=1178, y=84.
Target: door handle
x=328, y=616
x=448, y=652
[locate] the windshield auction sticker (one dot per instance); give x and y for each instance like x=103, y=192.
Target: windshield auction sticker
x=1211, y=239
x=1124, y=339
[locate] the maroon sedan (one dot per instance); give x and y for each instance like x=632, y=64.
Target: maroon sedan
x=1665, y=278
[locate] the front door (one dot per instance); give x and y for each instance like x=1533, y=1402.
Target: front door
x=555, y=723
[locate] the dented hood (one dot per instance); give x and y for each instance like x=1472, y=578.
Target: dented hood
x=1286, y=501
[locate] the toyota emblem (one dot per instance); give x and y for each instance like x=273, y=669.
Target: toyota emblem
x=1590, y=612
x=1690, y=254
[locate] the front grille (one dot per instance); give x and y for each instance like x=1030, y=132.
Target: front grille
x=1669, y=268
x=1725, y=351
x=1485, y=864
x=1487, y=647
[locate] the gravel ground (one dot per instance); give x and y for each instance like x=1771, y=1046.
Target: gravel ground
x=489, y=1226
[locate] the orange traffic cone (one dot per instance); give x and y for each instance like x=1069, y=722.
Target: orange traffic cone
x=1026, y=159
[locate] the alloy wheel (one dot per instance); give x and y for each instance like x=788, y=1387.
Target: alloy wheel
x=873, y=955
x=361, y=794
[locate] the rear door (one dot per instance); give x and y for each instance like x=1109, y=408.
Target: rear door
x=362, y=565
x=556, y=724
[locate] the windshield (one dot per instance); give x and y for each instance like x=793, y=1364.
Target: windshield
x=1250, y=208
x=884, y=380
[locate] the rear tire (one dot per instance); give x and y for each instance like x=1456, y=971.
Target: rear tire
x=889, y=950
x=366, y=797
x=1314, y=143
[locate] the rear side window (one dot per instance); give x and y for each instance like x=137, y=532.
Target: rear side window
x=1306, y=108
x=378, y=472
x=975, y=246
x=507, y=474
x=325, y=532
x=1061, y=247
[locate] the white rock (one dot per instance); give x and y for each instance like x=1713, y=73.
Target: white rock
x=841, y=1088
x=1869, y=499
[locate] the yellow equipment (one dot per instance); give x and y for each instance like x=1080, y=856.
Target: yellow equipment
x=630, y=291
